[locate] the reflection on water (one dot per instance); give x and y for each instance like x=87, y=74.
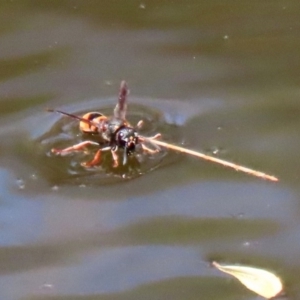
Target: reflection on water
x=217, y=77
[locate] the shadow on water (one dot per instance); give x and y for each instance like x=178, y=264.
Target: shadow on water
x=15, y=67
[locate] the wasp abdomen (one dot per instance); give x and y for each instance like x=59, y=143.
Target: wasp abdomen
x=96, y=117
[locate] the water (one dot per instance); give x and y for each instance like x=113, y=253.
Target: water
x=218, y=77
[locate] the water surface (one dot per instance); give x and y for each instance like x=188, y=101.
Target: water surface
x=218, y=77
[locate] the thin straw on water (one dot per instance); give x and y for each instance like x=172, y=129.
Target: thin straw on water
x=214, y=159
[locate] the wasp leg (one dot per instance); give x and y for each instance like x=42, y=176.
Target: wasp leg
x=139, y=124
x=154, y=137
x=76, y=147
x=96, y=159
x=115, y=157
x=151, y=151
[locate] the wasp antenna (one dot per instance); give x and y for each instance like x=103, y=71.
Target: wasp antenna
x=73, y=116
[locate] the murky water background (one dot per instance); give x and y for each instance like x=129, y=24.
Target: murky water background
x=220, y=77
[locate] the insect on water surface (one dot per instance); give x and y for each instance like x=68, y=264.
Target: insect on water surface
x=115, y=131
x=117, y=134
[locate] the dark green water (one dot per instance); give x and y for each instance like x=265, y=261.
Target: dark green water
x=221, y=77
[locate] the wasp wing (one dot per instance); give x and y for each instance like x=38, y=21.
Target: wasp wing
x=121, y=107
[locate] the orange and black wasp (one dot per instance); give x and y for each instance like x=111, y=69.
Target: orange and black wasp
x=117, y=134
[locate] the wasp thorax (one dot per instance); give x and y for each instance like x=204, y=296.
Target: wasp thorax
x=127, y=137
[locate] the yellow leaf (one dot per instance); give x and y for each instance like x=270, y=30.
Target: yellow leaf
x=262, y=282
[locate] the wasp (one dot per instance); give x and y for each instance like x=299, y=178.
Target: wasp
x=117, y=134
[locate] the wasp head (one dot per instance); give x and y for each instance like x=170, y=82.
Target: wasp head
x=126, y=138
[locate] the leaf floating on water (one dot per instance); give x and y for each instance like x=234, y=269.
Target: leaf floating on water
x=262, y=282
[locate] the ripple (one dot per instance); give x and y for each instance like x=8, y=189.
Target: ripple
x=68, y=169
